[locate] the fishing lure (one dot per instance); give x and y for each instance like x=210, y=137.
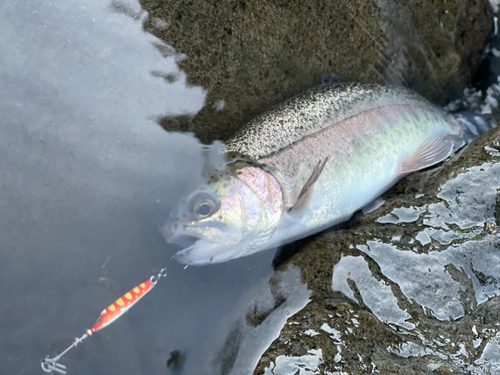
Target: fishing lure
x=108, y=316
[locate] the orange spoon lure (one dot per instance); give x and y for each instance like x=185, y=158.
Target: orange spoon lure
x=108, y=316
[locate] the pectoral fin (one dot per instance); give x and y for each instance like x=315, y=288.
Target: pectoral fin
x=307, y=190
x=458, y=141
x=431, y=152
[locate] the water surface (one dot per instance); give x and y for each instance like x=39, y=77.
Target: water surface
x=86, y=176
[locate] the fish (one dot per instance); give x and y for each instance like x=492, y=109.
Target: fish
x=308, y=164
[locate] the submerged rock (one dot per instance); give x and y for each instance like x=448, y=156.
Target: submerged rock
x=412, y=286
x=252, y=54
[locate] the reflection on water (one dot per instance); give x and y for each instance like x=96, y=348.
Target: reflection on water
x=448, y=276
x=287, y=365
x=429, y=274
x=85, y=177
x=375, y=294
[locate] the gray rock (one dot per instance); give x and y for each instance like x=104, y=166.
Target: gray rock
x=252, y=54
x=410, y=287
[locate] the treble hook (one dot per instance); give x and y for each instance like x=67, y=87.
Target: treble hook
x=49, y=365
x=52, y=364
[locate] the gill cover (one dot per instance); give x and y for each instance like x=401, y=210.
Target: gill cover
x=231, y=214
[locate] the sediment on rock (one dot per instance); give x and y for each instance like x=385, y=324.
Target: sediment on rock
x=252, y=54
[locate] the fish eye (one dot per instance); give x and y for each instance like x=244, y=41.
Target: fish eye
x=204, y=209
x=203, y=205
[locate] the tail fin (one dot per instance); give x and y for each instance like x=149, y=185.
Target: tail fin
x=474, y=124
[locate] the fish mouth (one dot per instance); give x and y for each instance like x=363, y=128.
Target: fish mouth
x=198, y=249
x=184, y=256
x=182, y=237
x=201, y=253
x=187, y=234
x=184, y=240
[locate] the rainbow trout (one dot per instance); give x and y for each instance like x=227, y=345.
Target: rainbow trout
x=306, y=165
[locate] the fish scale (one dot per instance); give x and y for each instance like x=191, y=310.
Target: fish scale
x=311, y=111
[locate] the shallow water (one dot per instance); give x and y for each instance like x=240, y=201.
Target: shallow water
x=85, y=178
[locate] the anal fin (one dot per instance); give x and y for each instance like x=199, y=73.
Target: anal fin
x=307, y=190
x=431, y=152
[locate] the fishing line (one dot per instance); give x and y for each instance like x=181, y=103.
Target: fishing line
x=108, y=316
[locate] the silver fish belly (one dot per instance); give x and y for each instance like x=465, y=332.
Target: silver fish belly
x=333, y=150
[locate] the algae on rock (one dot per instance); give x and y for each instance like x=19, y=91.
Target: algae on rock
x=252, y=54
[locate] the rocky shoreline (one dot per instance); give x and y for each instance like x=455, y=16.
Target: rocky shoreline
x=250, y=54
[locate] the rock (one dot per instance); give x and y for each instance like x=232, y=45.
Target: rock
x=411, y=287
x=251, y=54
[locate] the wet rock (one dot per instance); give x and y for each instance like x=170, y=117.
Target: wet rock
x=411, y=287
x=252, y=54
